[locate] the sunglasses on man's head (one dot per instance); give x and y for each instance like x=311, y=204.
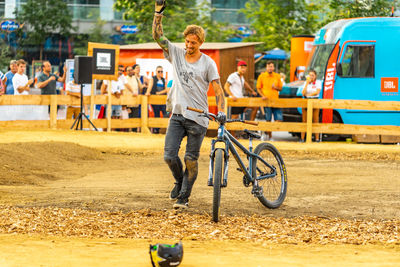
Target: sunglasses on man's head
x=160, y=71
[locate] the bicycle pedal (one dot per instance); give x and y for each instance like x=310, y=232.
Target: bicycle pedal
x=257, y=191
x=246, y=183
x=239, y=169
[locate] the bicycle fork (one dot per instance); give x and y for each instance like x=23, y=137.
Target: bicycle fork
x=211, y=166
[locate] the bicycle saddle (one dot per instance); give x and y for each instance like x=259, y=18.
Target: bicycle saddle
x=252, y=134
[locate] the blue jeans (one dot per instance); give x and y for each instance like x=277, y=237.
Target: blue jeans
x=158, y=109
x=178, y=128
x=278, y=116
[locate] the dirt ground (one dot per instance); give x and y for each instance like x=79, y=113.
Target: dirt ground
x=94, y=199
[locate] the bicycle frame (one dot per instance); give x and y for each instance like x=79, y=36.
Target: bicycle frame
x=229, y=141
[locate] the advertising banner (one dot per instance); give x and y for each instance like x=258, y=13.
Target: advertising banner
x=105, y=59
x=329, y=82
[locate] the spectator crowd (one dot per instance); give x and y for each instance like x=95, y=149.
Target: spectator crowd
x=131, y=82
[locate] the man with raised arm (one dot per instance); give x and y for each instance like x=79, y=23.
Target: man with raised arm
x=193, y=72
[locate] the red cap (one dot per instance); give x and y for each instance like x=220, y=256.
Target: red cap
x=242, y=63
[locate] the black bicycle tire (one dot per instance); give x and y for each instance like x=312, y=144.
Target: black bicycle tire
x=217, y=175
x=269, y=203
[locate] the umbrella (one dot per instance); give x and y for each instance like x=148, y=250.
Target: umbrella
x=274, y=54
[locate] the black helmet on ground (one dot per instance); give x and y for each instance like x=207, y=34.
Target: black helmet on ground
x=163, y=255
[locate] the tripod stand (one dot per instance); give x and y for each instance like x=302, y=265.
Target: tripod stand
x=79, y=119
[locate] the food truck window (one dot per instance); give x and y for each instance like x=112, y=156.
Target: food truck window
x=358, y=61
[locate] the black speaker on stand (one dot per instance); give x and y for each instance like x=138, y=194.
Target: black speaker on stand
x=83, y=71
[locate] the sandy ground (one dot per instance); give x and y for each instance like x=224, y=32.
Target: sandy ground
x=124, y=172
x=52, y=251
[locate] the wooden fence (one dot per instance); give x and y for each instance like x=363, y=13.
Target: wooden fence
x=146, y=122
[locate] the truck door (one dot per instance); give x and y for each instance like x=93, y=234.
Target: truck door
x=355, y=76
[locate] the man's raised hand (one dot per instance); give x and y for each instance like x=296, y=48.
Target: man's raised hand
x=159, y=6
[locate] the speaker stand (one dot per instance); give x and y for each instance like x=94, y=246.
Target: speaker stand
x=79, y=119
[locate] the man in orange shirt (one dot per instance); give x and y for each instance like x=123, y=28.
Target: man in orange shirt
x=268, y=85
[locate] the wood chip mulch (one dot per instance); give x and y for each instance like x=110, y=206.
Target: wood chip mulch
x=169, y=224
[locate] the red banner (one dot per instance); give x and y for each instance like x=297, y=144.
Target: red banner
x=329, y=82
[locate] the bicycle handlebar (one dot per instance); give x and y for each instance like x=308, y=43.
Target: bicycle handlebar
x=208, y=115
x=195, y=109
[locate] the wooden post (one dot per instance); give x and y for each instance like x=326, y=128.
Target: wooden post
x=309, y=120
x=109, y=106
x=53, y=111
x=92, y=109
x=144, y=111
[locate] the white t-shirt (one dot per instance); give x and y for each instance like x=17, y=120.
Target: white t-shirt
x=117, y=86
x=313, y=88
x=87, y=89
x=73, y=88
x=237, y=83
x=19, y=80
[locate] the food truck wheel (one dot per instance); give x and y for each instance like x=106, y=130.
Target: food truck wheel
x=333, y=137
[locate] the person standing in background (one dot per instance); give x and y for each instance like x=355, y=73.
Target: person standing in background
x=10, y=75
x=116, y=88
x=269, y=84
x=158, y=86
x=311, y=89
x=235, y=86
x=143, y=79
x=133, y=85
x=3, y=79
x=74, y=90
x=47, y=81
x=134, y=88
x=20, y=80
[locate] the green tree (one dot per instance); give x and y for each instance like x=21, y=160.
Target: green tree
x=341, y=9
x=97, y=35
x=216, y=31
x=42, y=18
x=5, y=55
x=178, y=14
x=276, y=21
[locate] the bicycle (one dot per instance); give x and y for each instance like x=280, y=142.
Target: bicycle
x=269, y=181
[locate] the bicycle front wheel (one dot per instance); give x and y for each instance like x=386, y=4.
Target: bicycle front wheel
x=218, y=160
x=271, y=191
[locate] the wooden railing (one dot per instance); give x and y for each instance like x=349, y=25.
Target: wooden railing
x=145, y=122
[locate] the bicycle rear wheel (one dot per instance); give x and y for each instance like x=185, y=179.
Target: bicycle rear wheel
x=270, y=191
x=217, y=183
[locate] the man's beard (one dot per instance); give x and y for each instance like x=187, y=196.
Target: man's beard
x=190, y=51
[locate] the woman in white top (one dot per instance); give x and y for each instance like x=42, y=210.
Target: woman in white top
x=311, y=89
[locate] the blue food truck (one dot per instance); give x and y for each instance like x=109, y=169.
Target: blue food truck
x=356, y=59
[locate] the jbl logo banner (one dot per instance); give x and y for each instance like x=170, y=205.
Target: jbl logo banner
x=390, y=85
